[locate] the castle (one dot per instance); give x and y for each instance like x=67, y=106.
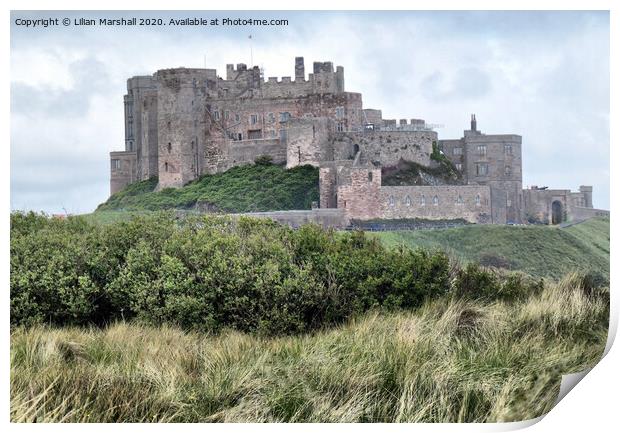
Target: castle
x=182, y=123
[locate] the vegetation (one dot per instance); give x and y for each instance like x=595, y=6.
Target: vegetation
x=538, y=251
x=249, y=188
x=452, y=360
x=207, y=319
x=208, y=273
x=412, y=173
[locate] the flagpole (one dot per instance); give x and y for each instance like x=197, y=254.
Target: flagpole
x=251, y=56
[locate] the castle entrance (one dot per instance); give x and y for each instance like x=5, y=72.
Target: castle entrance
x=557, y=212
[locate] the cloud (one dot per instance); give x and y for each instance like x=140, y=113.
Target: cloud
x=544, y=75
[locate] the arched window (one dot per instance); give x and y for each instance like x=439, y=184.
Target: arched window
x=459, y=200
x=169, y=147
x=477, y=199
x=166, y=166
x=370, y=176
x=435, y=200
x=391, y=200
x=422, y=200
x=407, y=201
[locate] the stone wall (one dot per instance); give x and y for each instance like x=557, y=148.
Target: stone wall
x=537, y=203
x=360, y=197
x=247, y=151
x=470, y=202
x=307, y=141
x=579, y=213
x=123, y=170
x=385, y=147
x=327, y=218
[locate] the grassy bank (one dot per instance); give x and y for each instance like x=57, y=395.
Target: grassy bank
x=537, y=250
x=248, y=188
x=451, y=360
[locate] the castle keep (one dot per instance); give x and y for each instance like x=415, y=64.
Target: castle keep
x=182, y=123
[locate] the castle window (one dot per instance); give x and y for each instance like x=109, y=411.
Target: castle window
x=283, y=136
x=457, y=151
x=435, y=200
x=192, y=144
x=284, y=116
x=166, y=166
x=130, y=129
x=169, y=147
x=508, y=202
x=482, y=150
x=459, y=166
x=116, y=164
x=507, y=170
x=253, y=119
x=340, y=127
x=216, y=114
x=131, y=146
x=477, y=199
x=339, y=112
x=423, y=200
x=370, y=176
x=273, y=133
x=459, y=200
x=508, y=149
x=226, y=115
x=254, y=134
x=407, y=201
x=271, y=117
x=482, y=169
x=237, y=117
x=391, y=201
x=169, y=125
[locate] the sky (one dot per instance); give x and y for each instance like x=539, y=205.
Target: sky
x=542, y=75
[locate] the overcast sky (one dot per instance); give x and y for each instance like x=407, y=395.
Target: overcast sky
x=543, y=75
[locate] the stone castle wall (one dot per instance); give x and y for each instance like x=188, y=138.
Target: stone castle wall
x=386, y=147
x=469, y=202
x=364, y=198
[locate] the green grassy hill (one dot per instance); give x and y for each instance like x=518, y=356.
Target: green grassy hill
x=536, y=250
x=249, y=188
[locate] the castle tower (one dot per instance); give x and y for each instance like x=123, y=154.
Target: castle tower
x=300, y=72
x=586, y=190
x=182, y=121
x=473, y=123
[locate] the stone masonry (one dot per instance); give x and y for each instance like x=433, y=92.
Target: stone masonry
x=183, y=123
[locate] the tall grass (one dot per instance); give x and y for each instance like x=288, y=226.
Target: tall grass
x=452, y=360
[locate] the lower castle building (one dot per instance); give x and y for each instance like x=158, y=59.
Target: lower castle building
x=183, y=123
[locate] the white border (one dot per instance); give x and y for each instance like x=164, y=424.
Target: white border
x=592, y=405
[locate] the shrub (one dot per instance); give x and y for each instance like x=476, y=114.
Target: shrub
x=209, y=273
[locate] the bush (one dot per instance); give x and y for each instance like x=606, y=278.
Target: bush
x=476, y=282
x=208, y=273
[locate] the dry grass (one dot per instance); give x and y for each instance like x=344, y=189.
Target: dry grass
x=450, y=361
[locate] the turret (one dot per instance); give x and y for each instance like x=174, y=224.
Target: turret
x=300, y=72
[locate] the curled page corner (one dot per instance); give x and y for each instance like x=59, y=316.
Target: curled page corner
x=568, y=383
